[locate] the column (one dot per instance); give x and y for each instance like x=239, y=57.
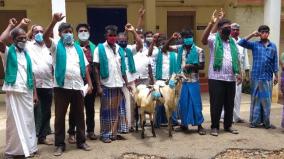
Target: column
x=272, y=18
x=58, y=6
x=150, y=15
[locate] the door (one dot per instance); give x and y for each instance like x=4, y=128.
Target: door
x=99, y=18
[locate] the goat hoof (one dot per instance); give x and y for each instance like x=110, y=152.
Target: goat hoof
x=154, y=135
x=142, y=136
x=170, y=135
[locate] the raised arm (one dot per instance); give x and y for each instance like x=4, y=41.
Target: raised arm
x=57, y=17
x=246, y=43
x=154, y=42
x=130, y=28
x=6, y=34
x=140, y=21
x=167, y=47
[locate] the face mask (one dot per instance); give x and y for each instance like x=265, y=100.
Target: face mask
x=188, y=41
x=39, y=37
x=111, y=40
x=83, y=36
x=156, y=94
x=226, y=31
x=68, y=38
x=122, y=44
x=149, y=40
x=21, y=44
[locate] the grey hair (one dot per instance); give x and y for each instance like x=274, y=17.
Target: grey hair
x=16, y=31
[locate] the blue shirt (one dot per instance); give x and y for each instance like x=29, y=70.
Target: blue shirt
x=265, y=59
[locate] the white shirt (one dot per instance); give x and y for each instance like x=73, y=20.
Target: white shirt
x=21, y=79
x=142, y=60
x=243, y=56
x=42, y=64
x=166, y=66
x=153, y=59
x=114, y=66
x=73, y=78
x=131, y=76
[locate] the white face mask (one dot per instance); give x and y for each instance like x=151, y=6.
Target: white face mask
x=21, y=44
x=149, y=39
x=83, y=36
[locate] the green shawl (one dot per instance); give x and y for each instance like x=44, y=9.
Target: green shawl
x=192, y=57
x=12, y=68
x=92, y=47
x=219, y=53
x=159, y=64
x=104, y=70
x=60, y=67
x=131, y=63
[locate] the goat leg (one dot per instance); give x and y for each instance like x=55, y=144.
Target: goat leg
x=170, y=126
x=153, y=130
x=142, y=133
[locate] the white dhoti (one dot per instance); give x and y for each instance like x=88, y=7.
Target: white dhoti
x=237, y=104
x=20, y=125
x=129, y=104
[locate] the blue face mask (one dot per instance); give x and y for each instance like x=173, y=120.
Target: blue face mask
x=39, y=37
x=68, y=38
x=188, y=41
x=156, y=94
x=172, y=84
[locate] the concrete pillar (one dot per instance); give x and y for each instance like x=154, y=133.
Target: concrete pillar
x=58, y=6
x=272, y=18
x=150, y=15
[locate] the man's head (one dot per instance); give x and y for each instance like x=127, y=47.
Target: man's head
x=264, y=32
x=37, y=32
x=161, y=40
x=187, y=37
x=83, y=31
x=66, y=33
x=111, y=34
x=122, y=40
x=148, y=37
x=224, y=27
x=19, y=37
x=235, y=30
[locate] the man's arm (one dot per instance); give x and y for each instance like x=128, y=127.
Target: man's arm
x=154, y=42
x=246, y=43
x=167, y=47
x=57, y=17
x=275, y=69
x=89, y=81
x=130, y=28
x=150, y=74
x=97, y=78
x=6, y=34
x=140, y=21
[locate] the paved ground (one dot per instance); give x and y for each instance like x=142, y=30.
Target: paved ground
x=182, y=145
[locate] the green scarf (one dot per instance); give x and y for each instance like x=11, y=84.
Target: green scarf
x=131, y=63
x=104, y=62
x=92, y=47
x=60, y=67
x=12, y=68
x=159, y=64
x=219, y=53
x=192, y=57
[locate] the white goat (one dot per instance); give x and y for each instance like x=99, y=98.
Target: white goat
x=169, y=97
x=146, y=102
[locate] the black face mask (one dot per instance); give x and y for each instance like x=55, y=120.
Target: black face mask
x=122, y=44
x=226, y=31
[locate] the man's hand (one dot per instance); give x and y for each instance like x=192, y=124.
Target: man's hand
x=99, y=91
x=90, y=89
x=13, y=22
x=275, y=81
x=129, y=27
x=176, y=35
x=57, y=17
x=214, y=17
x=155, y=37
x=141, y=12
x=129, y=88
x=255, y=34
x=221, y=14
x=25, y=22
x=239, y=79
x=36, y=100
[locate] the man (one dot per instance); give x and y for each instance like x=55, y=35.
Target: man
x=70, y=68
x=43, y=71
x=265, y=64
x=224, y=69
x=190, y=60
x=20, y=93
x=83, y=33
x=129, y=51
x=244, y=65
x=110, y=73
